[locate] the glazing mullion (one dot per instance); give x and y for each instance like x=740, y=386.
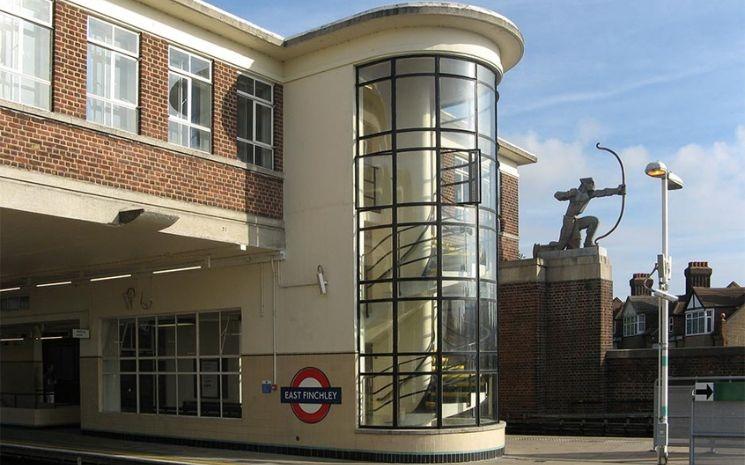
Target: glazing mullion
x=394, y=244
x=438, y=208
x=478, y=252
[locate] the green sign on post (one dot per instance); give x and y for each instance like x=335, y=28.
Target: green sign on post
x=733, y=391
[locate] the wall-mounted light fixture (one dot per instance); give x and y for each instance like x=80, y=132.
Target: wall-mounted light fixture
x=322, y=283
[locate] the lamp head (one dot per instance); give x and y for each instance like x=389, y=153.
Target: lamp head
x=674, y=182
x=656, y=169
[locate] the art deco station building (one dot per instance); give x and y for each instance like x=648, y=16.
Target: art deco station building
x=203, y=223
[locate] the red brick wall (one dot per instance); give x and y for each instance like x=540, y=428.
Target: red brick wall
x=630, y=374
x=67, y=150
x=70, y=60
x=509, y=247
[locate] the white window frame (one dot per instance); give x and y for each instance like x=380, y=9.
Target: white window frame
x=693, y=316
x=126, y=54
x=634, y=325
x=189, y=78
x=114, y=360
x=267, y=103
x=18, y=72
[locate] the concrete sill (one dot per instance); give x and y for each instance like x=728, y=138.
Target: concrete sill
x=432, y=431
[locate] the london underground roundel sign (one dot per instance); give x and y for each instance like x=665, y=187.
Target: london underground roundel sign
x=310, y=395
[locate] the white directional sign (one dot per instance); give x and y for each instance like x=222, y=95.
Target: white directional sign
x=704, y=392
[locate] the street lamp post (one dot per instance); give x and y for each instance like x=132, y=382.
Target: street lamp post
x=669, y=181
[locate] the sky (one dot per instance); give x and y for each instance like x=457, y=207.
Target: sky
x=651, y=79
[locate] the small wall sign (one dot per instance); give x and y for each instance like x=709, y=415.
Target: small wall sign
x=310, y=395
x=78, y=333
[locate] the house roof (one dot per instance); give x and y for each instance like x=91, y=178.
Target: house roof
x=642, y=304
x=720, y=296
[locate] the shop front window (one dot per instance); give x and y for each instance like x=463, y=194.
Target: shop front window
x=185, y=364
x=426, y=199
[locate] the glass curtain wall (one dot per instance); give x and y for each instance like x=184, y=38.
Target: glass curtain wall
x=426, y=199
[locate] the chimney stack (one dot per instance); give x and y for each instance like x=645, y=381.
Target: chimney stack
x=637, y=284
x=698, y=274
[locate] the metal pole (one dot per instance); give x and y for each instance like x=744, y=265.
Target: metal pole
x=664, y=274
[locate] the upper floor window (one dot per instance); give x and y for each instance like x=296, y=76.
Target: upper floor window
x=25, y=52
x=699, y=322
x=634, y=325
x=112, y=75
x=189, y=100
x=255, y=115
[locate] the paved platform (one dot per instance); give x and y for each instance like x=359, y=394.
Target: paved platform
x=66, y=445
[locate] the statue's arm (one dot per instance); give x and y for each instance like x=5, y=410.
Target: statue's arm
x=565, y=195
x=620, y=190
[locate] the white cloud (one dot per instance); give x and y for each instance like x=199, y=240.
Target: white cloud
x=707, y=217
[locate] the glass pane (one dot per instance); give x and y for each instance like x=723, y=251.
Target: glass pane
x=488, y=386
x=111, y=393
x=416, y=179
x=375, y=108
x=34, y=93
x=376, y=406
x=377, y=217
x=415, y=139
x=487, y=111
x=36, y=51
x=264, y=90
x=376, y=259
x=187, y=394
x=231, y=396
x=456, y=66
x=457, y=288
x=166, y=336
x=264, y=157
x=263, y=123
x=460, y=327
x=415, y=102
x=178, y=59
x=231, y=364
x=200, y=139
x=459, y=399
x=417, y=400
x=128, y=365
x=486, y=75
x=376, y=327
x=489, y=361
x=417, y=326
x=126, y=40
x=375, y=291
x=245, y=84
x=100, y=31
x=167, y=365
x=417, y=288
x=178, y=96
x=376, y=71
x=488, y=326
x=245, y=152
x=488, y=253
x=178, y=133
x=167, y=394
x=209, y=365
x=125, y=79
x=9, y=43
x=147, y=365
x=459, y=362
x=457, y=105
x=210, y=395
x=201, y=103
x=376, y=179
x=200, y=67
x=127, y=337
x=187, y=365
x=457, y=140
x=40, y=10
x=488, y=148
x=415, y=65
x=417, y=251
x=124, y=118
x=128, y=386
x=148, y=394
x=245, y=118
x=146, y=337
x=417, y=363
x=375, y=144
x=99, y=71
x=376, y=364
x=209, y=333
x=459, y=251
x=186, y=333
x=110, y=338
x=230, y=326
x=488, y=184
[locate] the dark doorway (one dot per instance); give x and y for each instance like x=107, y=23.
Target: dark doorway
x=61, y=364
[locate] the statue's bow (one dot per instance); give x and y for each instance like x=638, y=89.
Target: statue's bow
x=623, y=196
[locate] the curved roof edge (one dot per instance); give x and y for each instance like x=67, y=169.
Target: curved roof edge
x=486, y=22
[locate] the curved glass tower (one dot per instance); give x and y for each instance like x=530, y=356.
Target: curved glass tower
x=426, y=199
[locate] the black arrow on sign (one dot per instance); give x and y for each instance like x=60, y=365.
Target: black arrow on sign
x=707, y=392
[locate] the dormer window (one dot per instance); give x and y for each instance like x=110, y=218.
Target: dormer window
x=699, y=322
x=634, y=325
